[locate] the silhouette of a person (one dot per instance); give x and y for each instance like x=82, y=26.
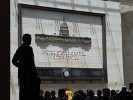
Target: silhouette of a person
x=24, y=60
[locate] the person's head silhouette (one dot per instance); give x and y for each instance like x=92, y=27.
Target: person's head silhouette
x=27, y=39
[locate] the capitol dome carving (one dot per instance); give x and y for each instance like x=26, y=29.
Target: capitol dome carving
x=64, y=28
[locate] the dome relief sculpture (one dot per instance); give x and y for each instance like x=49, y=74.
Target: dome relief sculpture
x=64, y=28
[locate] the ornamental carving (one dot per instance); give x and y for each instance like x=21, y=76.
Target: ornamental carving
x=63, y=36
x=60, y=38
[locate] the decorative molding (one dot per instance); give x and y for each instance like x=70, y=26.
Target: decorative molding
x=61, y=38
x=101, y=15
x=73, y=75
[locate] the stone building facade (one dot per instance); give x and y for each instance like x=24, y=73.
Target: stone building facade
x=127, y=24
x=127, y=34
x=94, y=41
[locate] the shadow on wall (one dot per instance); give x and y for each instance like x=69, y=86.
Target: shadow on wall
x=64, y=46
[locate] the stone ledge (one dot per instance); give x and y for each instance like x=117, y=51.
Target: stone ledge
x=61, y=38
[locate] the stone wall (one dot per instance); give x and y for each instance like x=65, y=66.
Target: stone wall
x=127, y=30
x=89, y=26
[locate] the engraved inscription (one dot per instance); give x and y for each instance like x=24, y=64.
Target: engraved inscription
x=63, y=55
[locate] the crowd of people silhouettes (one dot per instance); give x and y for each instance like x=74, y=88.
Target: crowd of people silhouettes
x=104, y=94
